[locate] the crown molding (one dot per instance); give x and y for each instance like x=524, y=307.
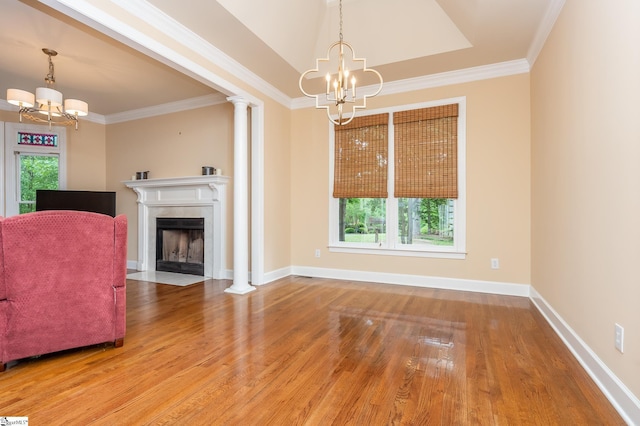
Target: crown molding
x=502, y=69
x=168, y=108
x=6, y=106
x=544, y=29
x=137, y=114
x=95, y=118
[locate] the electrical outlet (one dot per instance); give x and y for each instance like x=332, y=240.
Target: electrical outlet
x=495, y=263
x=619, y=338
x=317, y=252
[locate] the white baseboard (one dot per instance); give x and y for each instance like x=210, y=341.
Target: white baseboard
x=276, y=275
x=228, y=274
x=492, y=287
x=386, y=278
x=627, y=405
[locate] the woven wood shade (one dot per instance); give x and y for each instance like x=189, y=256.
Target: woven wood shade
x=426, y=155
x=361, y=155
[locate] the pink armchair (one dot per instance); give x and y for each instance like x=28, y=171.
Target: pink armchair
x=62, y=282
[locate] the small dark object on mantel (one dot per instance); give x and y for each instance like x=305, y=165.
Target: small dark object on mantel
x=208, y=170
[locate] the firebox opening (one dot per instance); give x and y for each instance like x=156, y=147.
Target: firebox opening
x=180, y=245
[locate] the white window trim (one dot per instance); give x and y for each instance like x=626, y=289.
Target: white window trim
x=11, y=207
x=458, y=250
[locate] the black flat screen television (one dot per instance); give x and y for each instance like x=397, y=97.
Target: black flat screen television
x=90, y=201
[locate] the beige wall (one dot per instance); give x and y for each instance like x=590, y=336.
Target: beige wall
x=277, y=187
x=586, y=177
x=498, y=186
x=86, y=157
x=86, y=160
x=169, y=145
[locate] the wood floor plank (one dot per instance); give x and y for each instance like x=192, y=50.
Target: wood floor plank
x=304, y=351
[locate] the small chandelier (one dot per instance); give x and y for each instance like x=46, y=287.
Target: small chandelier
x=46, y=106
x=341, y=89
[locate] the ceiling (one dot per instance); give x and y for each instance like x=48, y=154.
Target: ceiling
x=276, y=39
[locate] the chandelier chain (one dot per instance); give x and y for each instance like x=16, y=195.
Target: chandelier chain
x=50, y=78
x=341, y=20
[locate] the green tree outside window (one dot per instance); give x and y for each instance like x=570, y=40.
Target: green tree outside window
x=36, y=172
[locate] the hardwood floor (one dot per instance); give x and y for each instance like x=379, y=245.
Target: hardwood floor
x=314, y=352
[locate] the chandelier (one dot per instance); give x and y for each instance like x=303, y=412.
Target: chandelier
x=341, y=88
x=47, y=106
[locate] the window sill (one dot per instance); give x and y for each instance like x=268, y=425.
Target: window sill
x=407, y=252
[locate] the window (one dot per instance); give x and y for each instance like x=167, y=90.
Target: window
x=398, y=182
x=35, y=158
x=37, y=139
x=35, y=172
x=360, y=179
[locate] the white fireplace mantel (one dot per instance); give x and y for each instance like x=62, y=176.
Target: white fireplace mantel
x=192, y=196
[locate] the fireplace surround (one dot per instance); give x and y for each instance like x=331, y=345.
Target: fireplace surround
x=184, y=197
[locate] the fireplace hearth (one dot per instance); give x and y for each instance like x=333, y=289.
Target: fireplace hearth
x=180, y=245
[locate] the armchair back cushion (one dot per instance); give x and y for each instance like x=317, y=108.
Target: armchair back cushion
x=62, y=281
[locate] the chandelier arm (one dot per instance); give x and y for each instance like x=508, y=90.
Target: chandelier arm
x=34, y=114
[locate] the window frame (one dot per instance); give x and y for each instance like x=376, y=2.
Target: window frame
x=13, y=150
x=392, y=246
